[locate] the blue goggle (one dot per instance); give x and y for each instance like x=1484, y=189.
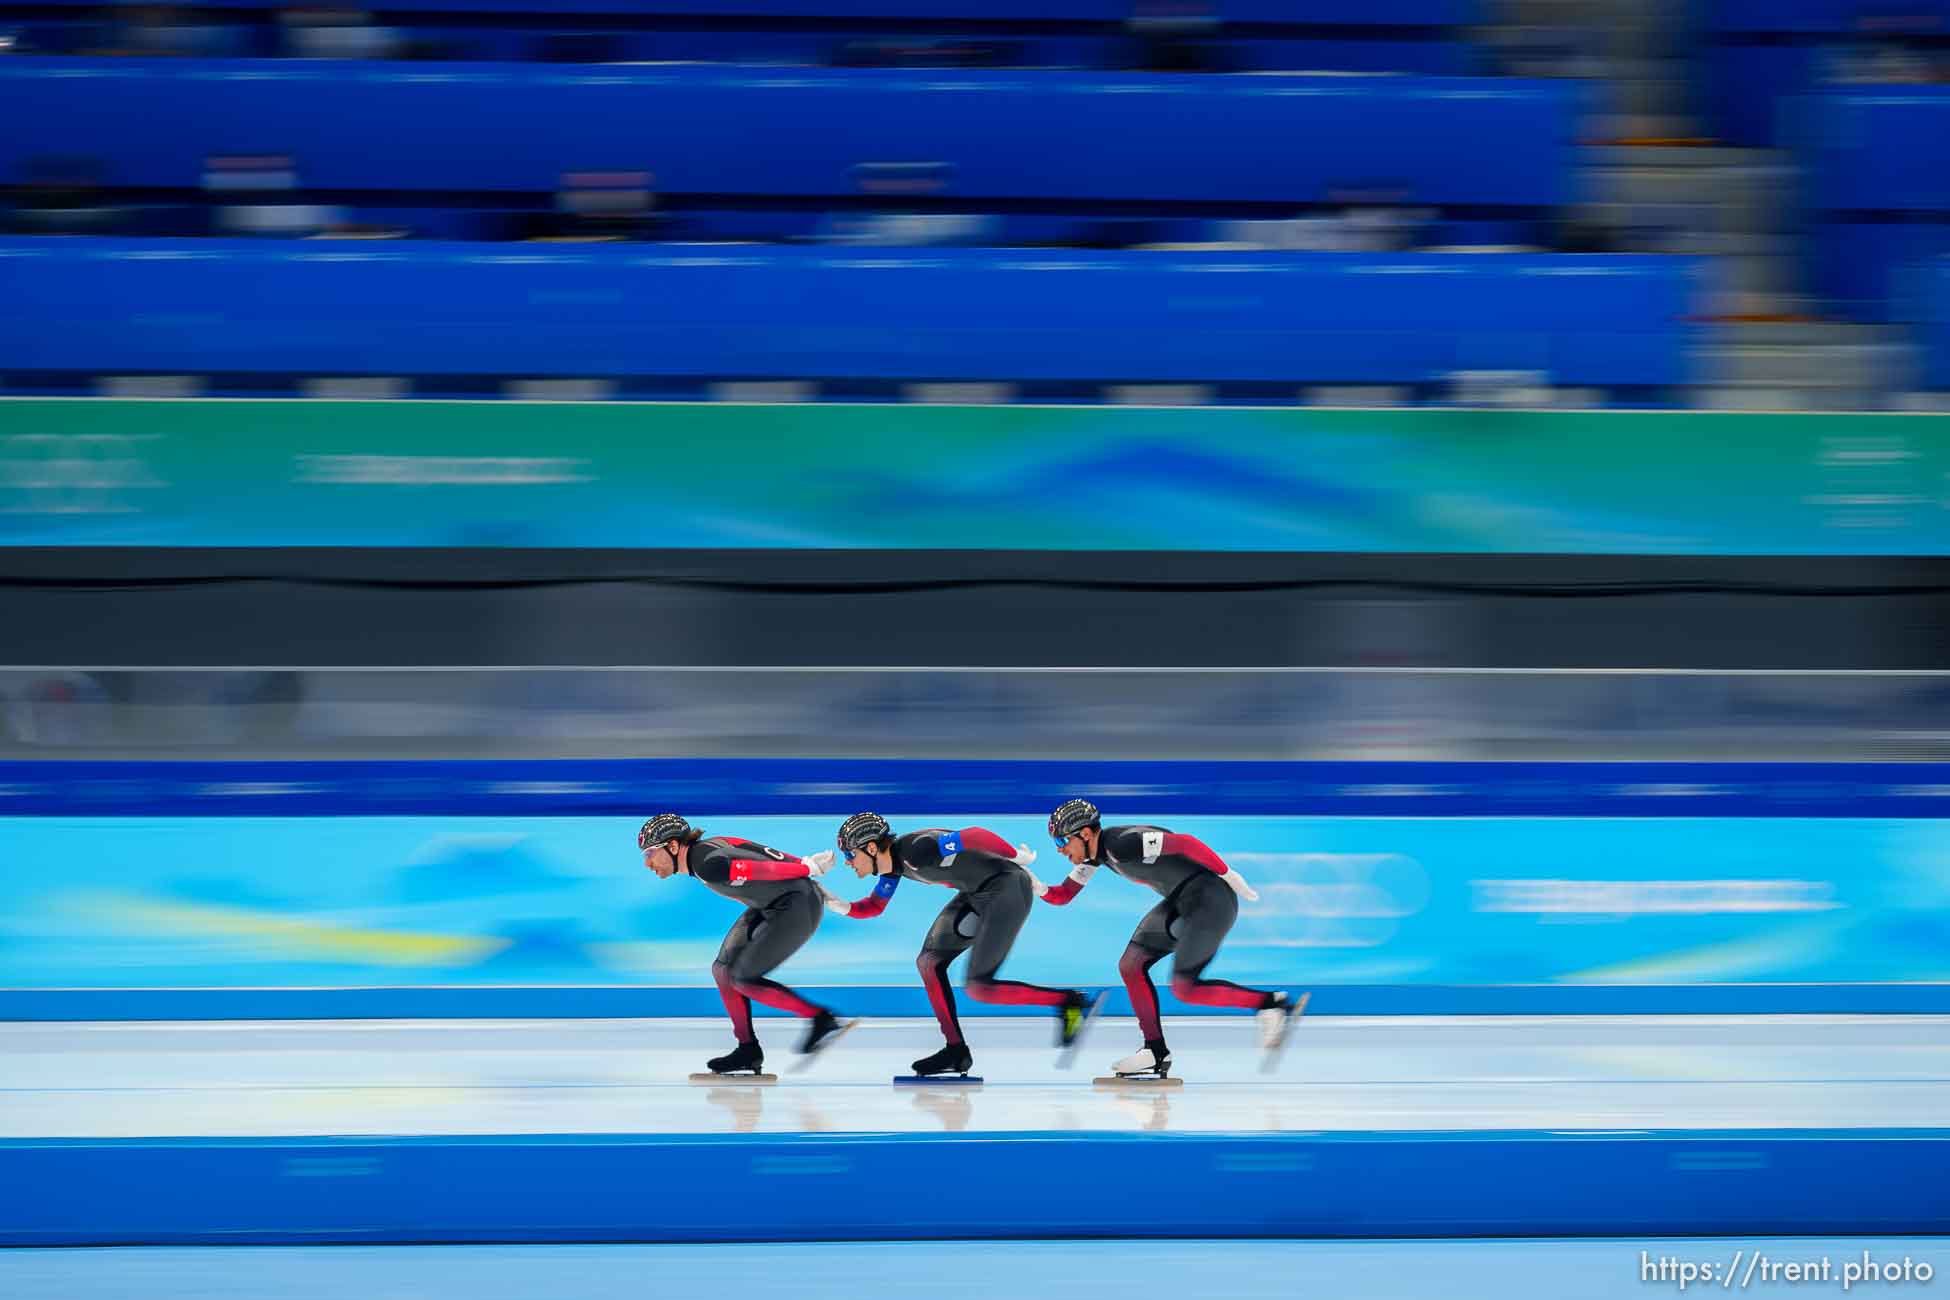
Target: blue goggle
x=1061, y=840
x=847, y=855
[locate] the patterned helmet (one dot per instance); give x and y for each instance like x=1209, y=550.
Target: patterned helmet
x=862, y=829
x=661, y=829
x=1072, y=816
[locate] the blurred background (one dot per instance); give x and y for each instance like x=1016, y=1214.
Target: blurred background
x=1482, y=465
x=1558, y=203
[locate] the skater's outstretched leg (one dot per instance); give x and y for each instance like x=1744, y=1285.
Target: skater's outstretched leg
x=1187, y=986
x=777, y=996
x=1001, y=909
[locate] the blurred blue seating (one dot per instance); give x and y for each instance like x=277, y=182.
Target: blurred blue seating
x=807, y=132
x=1933, y=289
x=1876, y=190
x=1760, y=52
x=1876, y=150
x=1334, y=13
x=1421, y=36
x=607, y=39
x=87, y=306
x=1867, y=269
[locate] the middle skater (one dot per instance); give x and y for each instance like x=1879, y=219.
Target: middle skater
x=993, y=897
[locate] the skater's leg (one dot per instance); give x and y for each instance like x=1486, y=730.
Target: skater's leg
x=1150, y=943
x=1207, y=911
x=1135, y=966
x=947, y=939
x=1001, y=908
x=736, y=1005
x=782, y=930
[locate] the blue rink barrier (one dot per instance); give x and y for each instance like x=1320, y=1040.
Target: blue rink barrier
x=676, y=311
x=507, y=888
x=803, y=132
x=698, y=1188
x=928, y=787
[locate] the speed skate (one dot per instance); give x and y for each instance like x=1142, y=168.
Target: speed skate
x=937, y=1081
x=1144, y=1068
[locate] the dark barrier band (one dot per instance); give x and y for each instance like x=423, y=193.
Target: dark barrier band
x=770, y=787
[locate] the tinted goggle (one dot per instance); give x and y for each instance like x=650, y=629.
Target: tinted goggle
x=1061, y=840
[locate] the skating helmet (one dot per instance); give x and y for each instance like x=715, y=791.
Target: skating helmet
x=661, y=829
x=1071, y=816
x=860, y=830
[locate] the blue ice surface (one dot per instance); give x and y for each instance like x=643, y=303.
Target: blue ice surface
x=1591, y=1269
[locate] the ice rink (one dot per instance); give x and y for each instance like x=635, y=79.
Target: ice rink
x=260, y=1079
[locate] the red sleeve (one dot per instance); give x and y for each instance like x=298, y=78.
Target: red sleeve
x=1063, y=893
x=986, y=841
x=1186, y=846
x=867, y=908
x=743, y=869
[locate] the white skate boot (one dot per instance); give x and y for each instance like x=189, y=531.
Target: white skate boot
x=1276, y=1025
x=1145, y=1063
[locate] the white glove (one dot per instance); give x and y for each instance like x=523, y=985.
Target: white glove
x=1237, y=883
x=834, y=903
x=1034, y=883
x=1025, y=855
x=820, y=862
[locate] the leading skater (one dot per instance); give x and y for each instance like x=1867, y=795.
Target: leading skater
x=993, y=897
x=782, y=910
x=1201, y=901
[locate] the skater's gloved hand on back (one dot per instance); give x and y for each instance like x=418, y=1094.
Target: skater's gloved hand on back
x=1024, y=856
x=1237, y=883
x=1034, y=883
x=834, y=903
x=819, y=863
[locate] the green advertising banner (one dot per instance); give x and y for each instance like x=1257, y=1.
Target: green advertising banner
x=89, y=472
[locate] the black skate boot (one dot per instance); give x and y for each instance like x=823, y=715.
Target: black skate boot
x=821, y=1033
x=955, y=1058
x=1074, y=1016
x=746, y=1058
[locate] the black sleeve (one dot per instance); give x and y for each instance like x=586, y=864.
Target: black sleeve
x=709, y=865
x=922, y=851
